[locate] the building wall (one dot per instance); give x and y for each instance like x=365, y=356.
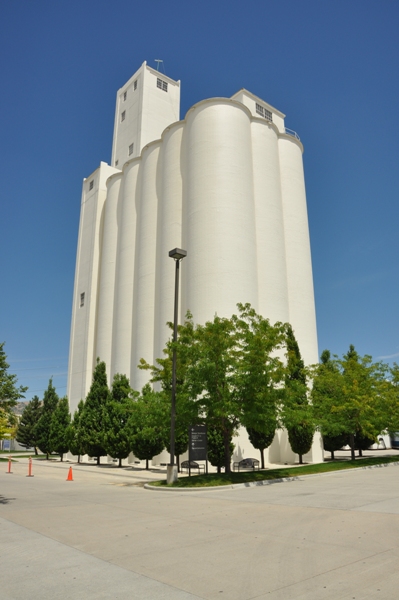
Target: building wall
x=226, y=185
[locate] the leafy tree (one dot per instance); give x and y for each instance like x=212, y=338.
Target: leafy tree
x=332, y=443
x=75, y=445
x=297, y=411
x=92, y=425
x=150, y=413
x=60, y=421
x=161, y=374
x=261, y=440
x=10, y=393
x=26, y=432
x=118, y=432
x=42, y=431
x=216, y=448
x=351, y=396
x=228, y=373
x=181, y=443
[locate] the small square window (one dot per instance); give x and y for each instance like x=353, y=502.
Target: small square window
x=162, y=85
x=123, y=116
x=259, y=110
x=124, y=96
x=82, y=299
x=91, y=184
x=268, y=115
x=135, y=85
x=116, y=163
x=131, y=149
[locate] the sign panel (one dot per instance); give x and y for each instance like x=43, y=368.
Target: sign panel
x=197, y=445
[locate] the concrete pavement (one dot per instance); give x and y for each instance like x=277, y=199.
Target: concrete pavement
x=103, y=536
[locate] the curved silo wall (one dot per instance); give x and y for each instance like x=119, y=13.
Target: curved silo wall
x=107, y=272
x=145, y=259
x=123, y=308
x=272, y=276
x=219, y=233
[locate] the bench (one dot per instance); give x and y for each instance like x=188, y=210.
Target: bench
x=190, y=465
x=246, y=464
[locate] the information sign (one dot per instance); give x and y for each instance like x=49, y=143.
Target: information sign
x=197, y=445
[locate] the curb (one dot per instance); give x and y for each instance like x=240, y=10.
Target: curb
x=263, y=482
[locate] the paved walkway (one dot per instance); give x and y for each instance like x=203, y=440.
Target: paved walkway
x=103, y=536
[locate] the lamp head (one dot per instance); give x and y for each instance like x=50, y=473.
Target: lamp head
x=177, y=253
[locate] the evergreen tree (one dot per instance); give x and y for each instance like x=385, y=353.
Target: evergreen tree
x=26, y=432
x=149, y=423
x=118, y=431
x=261, y=440
x=332, y=443
x=216, y=447
x=42, y=432
x=92, y=425
x=9, y=392
x=297, y=411
x=74, y=433
x=181, y=443
x=60, y=421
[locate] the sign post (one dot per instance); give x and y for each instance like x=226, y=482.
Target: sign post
x=197, y=445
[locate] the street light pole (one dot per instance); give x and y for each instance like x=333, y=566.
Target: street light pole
x=177, y=254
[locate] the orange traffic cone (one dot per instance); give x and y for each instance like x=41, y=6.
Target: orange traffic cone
x=70, y=476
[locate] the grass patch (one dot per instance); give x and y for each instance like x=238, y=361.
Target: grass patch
x=248, y=476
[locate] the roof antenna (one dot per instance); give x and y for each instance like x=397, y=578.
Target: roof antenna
x=158, y=60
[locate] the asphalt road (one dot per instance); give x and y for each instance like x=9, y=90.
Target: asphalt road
x=102, y=536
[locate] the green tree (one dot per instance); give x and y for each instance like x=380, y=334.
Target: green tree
x=60, y=421
x=75, y=444
x=331, y=443
x=150, y=413
x=262, y=440
x=216, y=448
x=161, y=374
x=118, y=432
x=351, y=397
x=92, y=425
x=297, y=411
x=26, y=432
x=10, y=393
x=43, y=427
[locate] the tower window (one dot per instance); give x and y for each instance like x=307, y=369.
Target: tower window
x=91, y=184
x=135, y=85
x=123, y=116
x=162, y=85
x=131, y=149
x=264, y=112
x=124, y=96
x=82, y=299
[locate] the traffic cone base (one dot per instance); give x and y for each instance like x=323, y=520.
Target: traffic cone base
x=70, y=476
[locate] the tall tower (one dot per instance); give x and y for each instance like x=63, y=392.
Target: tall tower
x=145, y=106
x=226, y=182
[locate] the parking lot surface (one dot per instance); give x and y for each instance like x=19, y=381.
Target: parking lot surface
x=104, y=536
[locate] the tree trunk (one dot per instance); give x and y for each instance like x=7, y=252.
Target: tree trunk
x=98, y=460
x=62, y=457
x=352, y=445
x=36, y=452
x=226, y=439
x=46, y=455
x=78, y=458
x=219, y=469
x=120, y=462
x=262, y=458
x=300, y=459
x=146, y=464
x=332, y=454
x=360, y=452
x=178, y=463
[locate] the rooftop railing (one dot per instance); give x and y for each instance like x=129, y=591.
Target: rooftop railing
x=293, y=133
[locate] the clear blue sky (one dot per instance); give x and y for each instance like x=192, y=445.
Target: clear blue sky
x=331, y=66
